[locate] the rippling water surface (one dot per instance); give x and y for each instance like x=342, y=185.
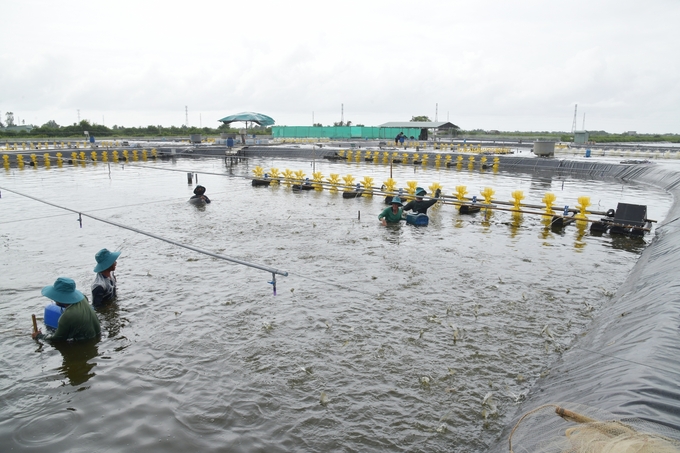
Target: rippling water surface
x=380, y=339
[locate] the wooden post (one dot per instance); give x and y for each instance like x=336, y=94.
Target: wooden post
x=35, y=324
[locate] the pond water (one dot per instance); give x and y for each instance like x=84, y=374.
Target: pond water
x=396, y=338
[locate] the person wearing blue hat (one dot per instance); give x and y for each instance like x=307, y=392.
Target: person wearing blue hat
x=104, y=285
x=419, y=205
x=78, y=321
x=392, y=213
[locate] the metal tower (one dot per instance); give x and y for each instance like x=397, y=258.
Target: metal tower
x=573, y=125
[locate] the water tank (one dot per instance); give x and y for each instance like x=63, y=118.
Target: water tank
x=195, y=138
x=544, y=148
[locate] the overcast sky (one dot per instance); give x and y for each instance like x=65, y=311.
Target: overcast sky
x=506, y=65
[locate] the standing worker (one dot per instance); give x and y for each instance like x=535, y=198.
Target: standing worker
x=419, y=205
x=242, y=133
x=104, y=285
x=78, y=320
x=392, y=213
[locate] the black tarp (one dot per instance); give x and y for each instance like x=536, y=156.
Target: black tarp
x=627, y=360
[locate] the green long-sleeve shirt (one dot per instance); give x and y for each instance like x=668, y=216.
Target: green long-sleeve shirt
x=391, y=217
x=77, y=322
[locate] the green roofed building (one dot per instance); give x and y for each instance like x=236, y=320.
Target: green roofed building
x=419, y=130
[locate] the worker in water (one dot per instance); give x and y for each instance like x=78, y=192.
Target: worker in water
x=78, y=320
x=392, y=213
x=104, y=285
x=419, y=205
x=199, y=195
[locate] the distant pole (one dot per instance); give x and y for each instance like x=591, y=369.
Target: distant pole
x=342, y=114
x=313, y=118
x=583, y=127
x=573, y=125
x=436, y=112
x=186, y=116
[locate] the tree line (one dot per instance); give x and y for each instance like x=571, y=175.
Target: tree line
x=77, y=130
x=52, y=130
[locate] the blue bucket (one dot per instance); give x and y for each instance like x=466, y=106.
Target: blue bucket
x=587, y=153
x=52, y=314
x=417, y=219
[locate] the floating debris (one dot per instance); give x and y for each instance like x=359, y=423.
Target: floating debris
x=456, y=333
x=488, y=403
x=546, y=330
x=324, y=398
x=517, y=397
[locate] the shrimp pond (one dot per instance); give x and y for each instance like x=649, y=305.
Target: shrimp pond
x=397, y=338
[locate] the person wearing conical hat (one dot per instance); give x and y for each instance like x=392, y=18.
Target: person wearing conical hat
x=104, y=285
x=392, y=213
x=78, y=321
x=419, y=205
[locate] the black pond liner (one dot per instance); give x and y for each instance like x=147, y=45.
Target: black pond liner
x=627, y=361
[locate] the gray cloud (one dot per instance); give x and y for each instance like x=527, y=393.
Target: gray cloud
x=511, y=65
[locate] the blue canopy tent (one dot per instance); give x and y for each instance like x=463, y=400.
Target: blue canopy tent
x=249, y=117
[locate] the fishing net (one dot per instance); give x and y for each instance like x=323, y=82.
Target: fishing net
x=575, y=428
